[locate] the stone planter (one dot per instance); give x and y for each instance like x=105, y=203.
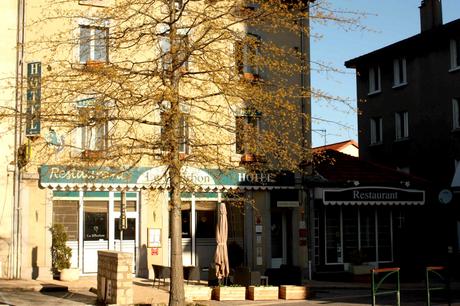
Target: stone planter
x=69, y=275
x=362, y=269
x=294, y=292
x=258, y=293
x=229, y=293
x=197, y=293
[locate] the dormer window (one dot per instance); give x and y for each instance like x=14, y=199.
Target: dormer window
x=399, y=72
x=374, y=79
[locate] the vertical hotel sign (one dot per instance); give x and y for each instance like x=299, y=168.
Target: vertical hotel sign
x=34, y=75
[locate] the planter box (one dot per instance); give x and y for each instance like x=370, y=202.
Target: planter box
x=361, y=269
x=197, y=293
x=229, y=293
x=69, y=275
x=294, y=292
x=262, y=293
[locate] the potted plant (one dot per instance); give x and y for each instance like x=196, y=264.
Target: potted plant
x=358, y=263
x=61, y=254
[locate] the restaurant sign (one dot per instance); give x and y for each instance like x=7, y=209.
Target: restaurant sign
x=103, y=178
x=373, y=196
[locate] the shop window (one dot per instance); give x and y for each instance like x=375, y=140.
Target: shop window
x=353, y=230
x=333, y=236
x=374, y=79
x=402, y=125
x=93, y=44
x=130, y=206
x=376, y=130
x=247, y=56
x=129, y=233
x=350, y=233
x=455, y=113
x=454, y=54
x=206, y=224
x=399, y=72
x=384, y=228
x=367, y=233
x=65, y=212
x=186, y=231
x=247, y=129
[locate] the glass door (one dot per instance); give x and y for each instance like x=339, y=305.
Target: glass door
x=95, y=233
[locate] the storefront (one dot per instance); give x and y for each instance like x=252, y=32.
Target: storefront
x=363, y=214
x=263, y=211
x=360, y=223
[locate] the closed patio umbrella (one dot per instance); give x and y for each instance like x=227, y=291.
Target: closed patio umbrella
x=221, y=255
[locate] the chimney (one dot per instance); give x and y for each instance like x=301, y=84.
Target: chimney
x=430, y=14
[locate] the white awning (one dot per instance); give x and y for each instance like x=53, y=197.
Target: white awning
x=373, y=195
x=456, y=179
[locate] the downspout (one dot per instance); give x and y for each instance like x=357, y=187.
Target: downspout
x=15, y=267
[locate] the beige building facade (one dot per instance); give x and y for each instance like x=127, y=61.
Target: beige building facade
x=64, y=171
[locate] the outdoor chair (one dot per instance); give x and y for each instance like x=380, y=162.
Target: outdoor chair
x=191, y=273
x=160, y=272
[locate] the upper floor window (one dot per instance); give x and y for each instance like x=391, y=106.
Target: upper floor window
x=182, y=55
x=374, y=79
x=93, y=44
x=376, y=130
x=94, y=126
x=183, y=140
x=399, y=71
x=456, y=113
x=247, y=56
x=455, y=53
x=401, y=125
x=247, y=126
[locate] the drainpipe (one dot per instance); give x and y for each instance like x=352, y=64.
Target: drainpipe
x=15, y=262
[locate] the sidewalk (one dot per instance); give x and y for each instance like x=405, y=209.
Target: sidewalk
x=334, y=293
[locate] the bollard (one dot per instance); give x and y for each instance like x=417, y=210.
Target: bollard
x=375, y=288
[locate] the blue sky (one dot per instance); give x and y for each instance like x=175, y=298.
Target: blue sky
x=387, y=21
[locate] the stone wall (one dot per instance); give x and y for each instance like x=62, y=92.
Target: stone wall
x=114, y=277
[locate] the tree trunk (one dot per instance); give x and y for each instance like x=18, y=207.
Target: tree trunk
x=176, y=296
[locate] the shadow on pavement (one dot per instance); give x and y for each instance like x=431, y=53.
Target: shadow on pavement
x=86, y=299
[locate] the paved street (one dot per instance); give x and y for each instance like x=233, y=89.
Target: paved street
x=21, y=292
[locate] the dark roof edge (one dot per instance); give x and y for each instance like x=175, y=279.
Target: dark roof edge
x=352, y=63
